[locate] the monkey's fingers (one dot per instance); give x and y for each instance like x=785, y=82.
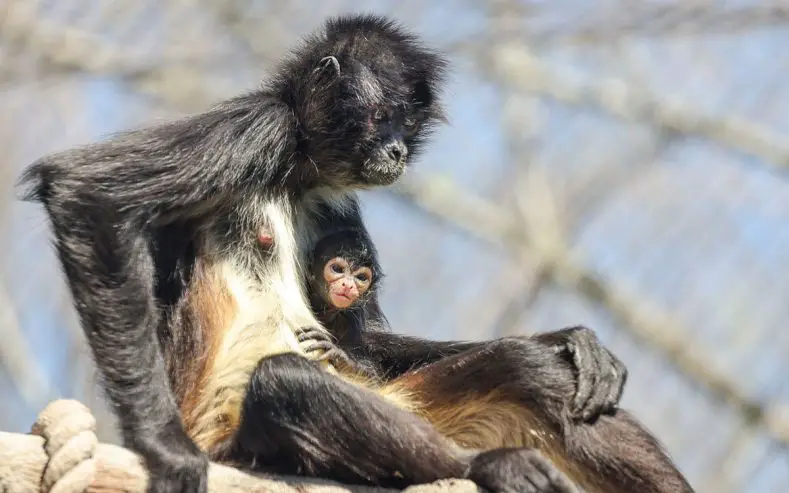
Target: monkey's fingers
x=618, y=378
x=311, y=333
x=317, y=350
x=610, y=386
x=588, y=371
x=305, y=331
x=518, y=470
x=601, y=389
x=178, y=466
x=327, y=351
x=338, y=357
x=536, y=480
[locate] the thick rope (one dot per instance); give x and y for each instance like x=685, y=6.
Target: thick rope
x=62, y=455
x=68, y=429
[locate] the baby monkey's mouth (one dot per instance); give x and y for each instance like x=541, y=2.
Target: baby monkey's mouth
x=342, y=300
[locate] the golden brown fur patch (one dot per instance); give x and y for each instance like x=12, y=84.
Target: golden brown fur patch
x=213, y=309
x=483, y=422
x=395, y=392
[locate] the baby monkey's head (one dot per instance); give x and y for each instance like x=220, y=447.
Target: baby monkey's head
x=343, y=271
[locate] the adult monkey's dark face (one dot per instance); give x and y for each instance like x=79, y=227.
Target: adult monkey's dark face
x=366, y=107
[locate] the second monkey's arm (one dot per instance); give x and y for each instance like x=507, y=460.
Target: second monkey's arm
x=601, y=377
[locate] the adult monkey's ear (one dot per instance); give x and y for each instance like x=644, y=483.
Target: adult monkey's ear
x=328, y=67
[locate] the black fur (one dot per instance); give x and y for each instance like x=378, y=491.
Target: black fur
x=129, y=214
x=383, y=455
x=541, y=373
x=132, y=216
x=615, y=451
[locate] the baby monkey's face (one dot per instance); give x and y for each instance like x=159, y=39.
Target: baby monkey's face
x=346, y=283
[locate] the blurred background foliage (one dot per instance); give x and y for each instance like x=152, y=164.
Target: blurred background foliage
x=618, y=164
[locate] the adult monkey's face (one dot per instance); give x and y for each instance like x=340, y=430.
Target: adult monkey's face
x=368, y=104
x=390, y=137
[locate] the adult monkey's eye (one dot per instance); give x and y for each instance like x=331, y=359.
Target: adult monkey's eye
x=411, y=125
x=382, y=114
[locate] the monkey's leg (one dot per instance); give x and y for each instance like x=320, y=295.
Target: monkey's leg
x=514, y=393
x=298, y=419
x=110, y=269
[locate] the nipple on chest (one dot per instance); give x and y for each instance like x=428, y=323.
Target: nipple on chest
x=265, y=238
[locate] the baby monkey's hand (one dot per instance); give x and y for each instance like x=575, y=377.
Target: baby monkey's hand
x=319, y=346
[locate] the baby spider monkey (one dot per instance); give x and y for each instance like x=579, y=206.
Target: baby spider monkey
x=341, y=284
x=343, y=276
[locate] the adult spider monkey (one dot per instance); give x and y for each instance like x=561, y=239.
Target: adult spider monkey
x=192, y=324
x=483, y=395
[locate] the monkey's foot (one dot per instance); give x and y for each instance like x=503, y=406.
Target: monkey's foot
x=518, y=470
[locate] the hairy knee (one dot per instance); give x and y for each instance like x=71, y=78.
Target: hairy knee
x=280, y=374
x=526, y=354
x=277, y=389
x=532, y=373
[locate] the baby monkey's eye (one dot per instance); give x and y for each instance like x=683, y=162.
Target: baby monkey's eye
x=336, y=267
x=364, y=276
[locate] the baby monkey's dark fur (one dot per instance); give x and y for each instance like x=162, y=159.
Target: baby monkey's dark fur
x=493, y=394
x=192, y=324
x=357, y=249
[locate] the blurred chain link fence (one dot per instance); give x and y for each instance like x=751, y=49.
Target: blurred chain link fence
x=616, y=164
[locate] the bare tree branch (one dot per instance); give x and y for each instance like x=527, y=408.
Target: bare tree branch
x=515, y=66
x=689, y=17
x=22, y=28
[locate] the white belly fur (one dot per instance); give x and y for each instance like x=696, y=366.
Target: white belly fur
x=270, y=305
x=268, y=312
